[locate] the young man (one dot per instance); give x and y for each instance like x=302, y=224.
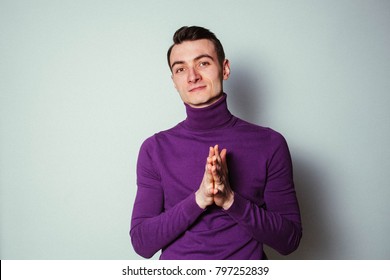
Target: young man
x=196, y=201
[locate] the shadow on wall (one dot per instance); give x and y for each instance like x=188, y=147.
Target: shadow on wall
x=248, y=100
x=317, y=233
x=244, y=95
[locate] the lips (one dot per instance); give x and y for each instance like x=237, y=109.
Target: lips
x=198, y=88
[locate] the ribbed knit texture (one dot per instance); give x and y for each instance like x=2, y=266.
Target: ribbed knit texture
x=170, y=169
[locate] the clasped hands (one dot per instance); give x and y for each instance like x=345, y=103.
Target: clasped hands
x=215, y=186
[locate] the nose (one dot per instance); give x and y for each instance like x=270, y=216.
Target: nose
x=193, y=75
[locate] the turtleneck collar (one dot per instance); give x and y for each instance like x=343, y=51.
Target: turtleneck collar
x=214, y=116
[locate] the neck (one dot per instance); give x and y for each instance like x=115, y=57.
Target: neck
x=213, y=116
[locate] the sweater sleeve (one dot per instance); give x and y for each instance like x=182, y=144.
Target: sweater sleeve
x=277, y=222
x=153, y=228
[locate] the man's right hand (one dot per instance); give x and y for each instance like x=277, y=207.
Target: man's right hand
x=204, y=196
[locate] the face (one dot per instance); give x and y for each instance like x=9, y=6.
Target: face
x=196, y=72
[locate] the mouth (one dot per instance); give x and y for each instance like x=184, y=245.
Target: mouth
x=199, y=88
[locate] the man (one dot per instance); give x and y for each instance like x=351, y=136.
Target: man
x=196, y=201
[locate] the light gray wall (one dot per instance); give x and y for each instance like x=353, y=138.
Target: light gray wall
x=83, y=83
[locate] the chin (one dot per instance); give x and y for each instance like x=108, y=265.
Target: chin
x=201, y=104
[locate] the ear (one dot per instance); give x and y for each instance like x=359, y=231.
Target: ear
x=226, y=69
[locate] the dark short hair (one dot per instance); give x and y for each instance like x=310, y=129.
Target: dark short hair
x=192, y=33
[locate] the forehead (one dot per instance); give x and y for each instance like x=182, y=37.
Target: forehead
x=189, y=50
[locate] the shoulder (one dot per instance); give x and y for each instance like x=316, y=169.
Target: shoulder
x=261, y=132
x=153, y=141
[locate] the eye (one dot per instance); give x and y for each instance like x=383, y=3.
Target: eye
x=204, y=63
x=179, y=70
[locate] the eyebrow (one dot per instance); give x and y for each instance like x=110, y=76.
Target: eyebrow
x=195, y=59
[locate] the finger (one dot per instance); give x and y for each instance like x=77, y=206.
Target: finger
x=214, y=160
x=223, y=156
x=214, y=173
x=209, y=160
x=210, y=156
x=217, y=177
x=224, y=160
x=209, y=173
x=213, y=170
x=211, y=151
x=209, y=168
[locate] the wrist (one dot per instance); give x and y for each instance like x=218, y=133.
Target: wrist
x=199, y=200
x=229, y=202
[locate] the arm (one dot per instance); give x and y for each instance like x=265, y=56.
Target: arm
x=152, y=228
x=278, y=223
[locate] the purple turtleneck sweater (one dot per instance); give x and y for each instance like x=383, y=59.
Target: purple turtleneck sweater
x=170, y=169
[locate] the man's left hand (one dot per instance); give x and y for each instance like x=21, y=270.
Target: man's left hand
x=223, y=193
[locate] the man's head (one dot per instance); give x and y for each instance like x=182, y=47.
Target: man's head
x=198, y=65
x=193, y=33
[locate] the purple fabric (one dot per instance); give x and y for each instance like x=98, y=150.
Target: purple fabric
x=170, y=169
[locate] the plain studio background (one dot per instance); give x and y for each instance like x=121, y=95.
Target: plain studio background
x=83, y=83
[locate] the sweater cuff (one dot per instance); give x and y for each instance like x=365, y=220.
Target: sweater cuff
x=238, y=206
x=190, y=208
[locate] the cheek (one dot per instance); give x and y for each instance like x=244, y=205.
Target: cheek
x=177, y=83
x=215, y=83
